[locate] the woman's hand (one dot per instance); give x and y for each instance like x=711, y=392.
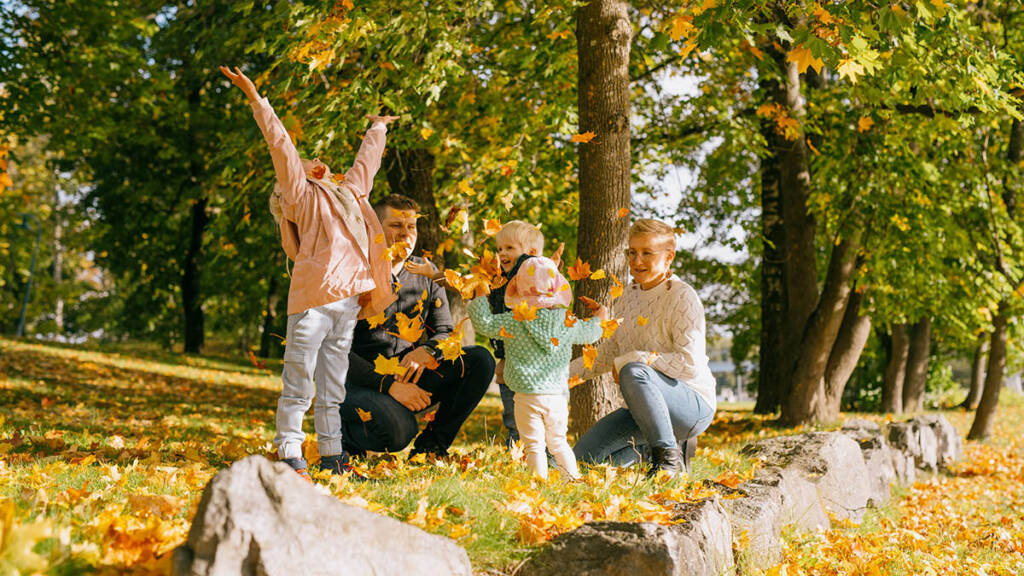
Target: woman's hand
x=242, y=81
x=383, y=119
x=596, y=309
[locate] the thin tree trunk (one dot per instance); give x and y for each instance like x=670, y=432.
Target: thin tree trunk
x=191, y=287
x=977, y=372
x=917, y=365
x=807, y=401
x=270, y=312
x=853, y=334
x=896, y=370
x=603, y=38
x=986, y=413
x=58, y=262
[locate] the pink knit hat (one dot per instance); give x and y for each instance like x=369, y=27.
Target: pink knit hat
x=540, y=284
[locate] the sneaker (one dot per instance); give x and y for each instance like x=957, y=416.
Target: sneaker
x=340, y=464
x=300, y=466
x=511, y=439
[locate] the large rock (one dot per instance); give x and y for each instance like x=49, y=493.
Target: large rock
x=701, y=544
x=261, y=518
x=917, y=442
x=756, y=515
x=949, y=447
x=878, y=458
x=819, y=473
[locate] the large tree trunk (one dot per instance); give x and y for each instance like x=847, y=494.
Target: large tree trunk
x=786, y=161
x=986, y=414
x=917, y=365
x=191, y=293
x=411, y=172
x=807, y=401
x=977, y=373
x=895, y=370
x=853, y=335
x=603, y=37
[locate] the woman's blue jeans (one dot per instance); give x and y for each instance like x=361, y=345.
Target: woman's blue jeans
x=660, y=412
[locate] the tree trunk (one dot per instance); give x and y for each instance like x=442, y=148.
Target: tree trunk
x=58, y=262
x=853, y=335
x=896, y=370
x=977, y=373
x=411, y=173
x=787, y=161
x=603, y=38
x=807, y=401
x=270, y=312
x=917, y=365
x=986, y=414
x=191, y=293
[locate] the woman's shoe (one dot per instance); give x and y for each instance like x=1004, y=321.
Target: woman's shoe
x=668, y=459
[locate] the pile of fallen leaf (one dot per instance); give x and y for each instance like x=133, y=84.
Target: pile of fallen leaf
x=104, y=454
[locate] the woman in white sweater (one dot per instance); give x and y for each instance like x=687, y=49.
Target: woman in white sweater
x=658, y=356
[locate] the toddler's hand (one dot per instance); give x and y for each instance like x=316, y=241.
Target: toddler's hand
x=596, y=309
x=384, y=119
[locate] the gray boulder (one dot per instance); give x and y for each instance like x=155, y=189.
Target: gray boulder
x=756, y=515
x=261, y=518
x=949, y=447
x=878, y=458
x=917, y=442
x=700, y=545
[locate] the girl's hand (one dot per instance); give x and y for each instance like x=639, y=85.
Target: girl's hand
x=242, y=81
x=421, y=268
x=596, y=309
x=556, y=256
x=384, y=119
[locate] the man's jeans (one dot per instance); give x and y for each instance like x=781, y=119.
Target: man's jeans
x=457, y=385
x=660, y=411
x=315, y=361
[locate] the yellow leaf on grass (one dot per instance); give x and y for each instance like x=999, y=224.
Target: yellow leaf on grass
x=584, y=137
x=523, y=312
x=364, y=415
x=384, y=366
x=804, y=59
x=19, y=540
x=589, y=356
x=161, y=505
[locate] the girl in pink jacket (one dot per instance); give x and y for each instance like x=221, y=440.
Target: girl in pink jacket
x=340, y=275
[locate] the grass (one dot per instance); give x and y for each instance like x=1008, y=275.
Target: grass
x=104, y=452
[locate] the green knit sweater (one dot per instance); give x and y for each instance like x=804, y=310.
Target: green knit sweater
x=534, y=363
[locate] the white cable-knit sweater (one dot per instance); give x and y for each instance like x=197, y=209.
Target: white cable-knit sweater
x=672, y=337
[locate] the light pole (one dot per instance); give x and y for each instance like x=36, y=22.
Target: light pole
x=25, y=218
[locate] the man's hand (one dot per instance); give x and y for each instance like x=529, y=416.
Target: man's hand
x=384, y=119
x=242, y=81
x=409, y=395
x=424, y=268
x=416, y=362
x=595, y=309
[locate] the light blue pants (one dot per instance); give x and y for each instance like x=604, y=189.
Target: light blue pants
x=660, y=412
x=315, y=363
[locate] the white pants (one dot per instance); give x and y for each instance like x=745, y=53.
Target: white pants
x=540, y=416
x=315, y=361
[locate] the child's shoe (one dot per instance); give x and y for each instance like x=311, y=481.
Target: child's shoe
x=340, y=464
x=300, y=466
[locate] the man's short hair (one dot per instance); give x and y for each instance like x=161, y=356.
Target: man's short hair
x=397, y=202
x=527, y=235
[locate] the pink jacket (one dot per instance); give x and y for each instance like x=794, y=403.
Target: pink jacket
x=332, y=240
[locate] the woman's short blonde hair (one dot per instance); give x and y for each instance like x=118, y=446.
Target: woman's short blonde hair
x=525, y=234
x=655, y=227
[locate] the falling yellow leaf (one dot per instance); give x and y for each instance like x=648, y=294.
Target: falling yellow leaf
x=865, y=123
x=364, y=415
x=505, y=333
x=397, y=250
x=492, y=227
x=570, y=319
x=589, y=356
x=426, y=133
x=377, y=320
x=598, y=275
x=579, y=271
x=609, y=327
x=623, y=212
x=616, y=290
x=575, y=381
x=584, y=137
x=384, y=366
x=409, y=329
x=554, y=341
x=641, y=320
x=523, y=312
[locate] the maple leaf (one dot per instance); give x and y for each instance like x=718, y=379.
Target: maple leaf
x=804, y=59
x=570, y=319
x=850, y=69
x=451, y=347
x=464, y=187
x=505, y=334
x=641, y=320
x=455, y=221
x=377, y=320
x=492, y=227
x=554, y=341
x=589, y=356
x=579, y=271
x=609, y=326
x=396, y=250
x=617, y=289
x=575, y=381
x=425, y=133
x=454, y=279
x=523, y=312
x=623, y=212
x=409, y=329
x=383, y=365
x=584, y=137
x=865, y=123
x=364, y=415
x=598, y=275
